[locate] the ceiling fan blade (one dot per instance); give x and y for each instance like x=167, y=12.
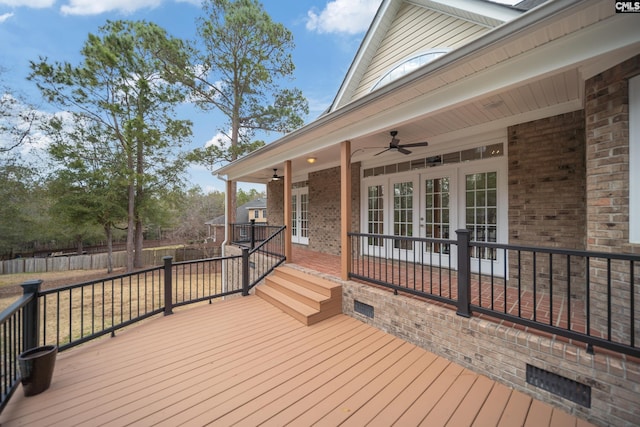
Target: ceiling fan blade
x=415, y=144
x=383, y=151
x=402, y=150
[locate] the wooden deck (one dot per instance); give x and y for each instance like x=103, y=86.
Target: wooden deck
x=243, y=361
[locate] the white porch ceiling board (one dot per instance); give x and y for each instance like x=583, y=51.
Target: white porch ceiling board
x=528, y=99
x=549, y=92
x=510, y=102
x=560, y=83
x=476, y=113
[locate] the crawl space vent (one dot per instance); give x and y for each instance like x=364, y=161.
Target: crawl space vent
x=559, y=385
x=362, y=308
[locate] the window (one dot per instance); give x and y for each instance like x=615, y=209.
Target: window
x=408, y=65
x=634, y=160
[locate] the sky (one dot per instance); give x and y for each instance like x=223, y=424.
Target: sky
x=326, y=33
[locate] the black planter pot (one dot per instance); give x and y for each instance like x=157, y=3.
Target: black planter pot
x=36, y=368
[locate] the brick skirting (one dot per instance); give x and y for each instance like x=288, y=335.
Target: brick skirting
x=502, y=352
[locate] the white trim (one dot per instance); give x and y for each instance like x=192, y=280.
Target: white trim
x=495, y=11
x=634, y=160
x=298, y=193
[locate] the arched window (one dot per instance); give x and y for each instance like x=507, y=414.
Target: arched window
x=408, y=65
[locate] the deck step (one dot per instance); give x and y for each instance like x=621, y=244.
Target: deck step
x=307, y=298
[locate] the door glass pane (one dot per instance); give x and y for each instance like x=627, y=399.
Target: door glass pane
x=294, y=215
x=375, y=208
x=481, y=211
x=304, y=211
x=436, y=215
x=403, y=213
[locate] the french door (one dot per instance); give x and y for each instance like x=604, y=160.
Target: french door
x=300, y=215
x=438, y=216
x=432, y=205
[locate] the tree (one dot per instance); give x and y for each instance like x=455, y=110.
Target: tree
x=247, y=196
x=192, y=209
x=126, y=84
x=17, y=120
x=89, y=183
x=243, y=60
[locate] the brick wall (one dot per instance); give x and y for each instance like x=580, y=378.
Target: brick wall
x=275, y=202
x=547, y=200
x=547, y=182
x=607, y=117
x=324, y=207
x=502, y=352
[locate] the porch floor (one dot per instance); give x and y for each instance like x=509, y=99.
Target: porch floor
x=243, y=361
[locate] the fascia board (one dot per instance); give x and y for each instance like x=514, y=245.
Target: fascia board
x=365, y=46
x=487, y=9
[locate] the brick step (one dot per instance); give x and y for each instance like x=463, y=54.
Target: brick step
x=303, y=296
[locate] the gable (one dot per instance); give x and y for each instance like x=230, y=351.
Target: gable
x=404, y=29
x=416, y=30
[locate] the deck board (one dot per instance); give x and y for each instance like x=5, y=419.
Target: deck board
x=245, y=362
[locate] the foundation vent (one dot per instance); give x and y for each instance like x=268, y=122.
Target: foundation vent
x=362, y=308
x=559, y=385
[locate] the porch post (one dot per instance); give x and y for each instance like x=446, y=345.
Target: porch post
x=31, y=322
x=345, y=209
x=288, y=250
x=227, y=214
x=464, y=273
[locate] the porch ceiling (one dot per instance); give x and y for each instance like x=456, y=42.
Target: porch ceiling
x=522, y=71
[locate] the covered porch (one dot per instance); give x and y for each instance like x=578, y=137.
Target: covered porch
x=244, y=362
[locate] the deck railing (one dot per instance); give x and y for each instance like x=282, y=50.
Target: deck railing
x=588, y=297
x=251, y=233
x=71, y=315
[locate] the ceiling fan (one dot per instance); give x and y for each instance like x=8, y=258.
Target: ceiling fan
x=275, y=176
x=401, y=148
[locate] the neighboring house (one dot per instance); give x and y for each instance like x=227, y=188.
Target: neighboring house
x=532, y=118
x=253, y=210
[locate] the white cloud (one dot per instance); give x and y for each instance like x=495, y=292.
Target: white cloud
x=5, y=16
x=218, y=140
x=93, y=7
x=35, y=4
x=343, y=16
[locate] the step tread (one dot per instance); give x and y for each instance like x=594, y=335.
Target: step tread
x=292, y=287
x=284, y=299
x=324, y=286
